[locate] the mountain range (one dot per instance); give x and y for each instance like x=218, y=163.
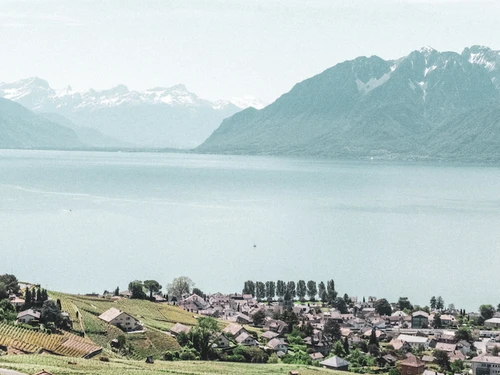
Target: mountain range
x=426, y=105
x=158, y=117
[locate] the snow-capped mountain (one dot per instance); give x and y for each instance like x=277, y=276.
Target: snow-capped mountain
x=425, y=104
x=160, y=116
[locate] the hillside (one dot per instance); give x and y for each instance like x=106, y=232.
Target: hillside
x=156, y=317
x=21, y=128
x=370, y=107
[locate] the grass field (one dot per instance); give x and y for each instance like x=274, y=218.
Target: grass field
x=31, y=364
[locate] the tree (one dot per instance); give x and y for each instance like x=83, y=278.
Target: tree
x=27, y=299
x=199, y=293
x=437, y=321
x=373, y=338
x=346, y=345
x=258, y=317
x=290, y=318
x=457, y=366
x=249, y=287
x=204, y=334
x=152, y=286
x=332, y=330
x=324, y=296
x=486, y=311
x=433, y=302
x=7, y=311
x=51, y=314
x=117, y=292
x=270, y=290
x=136, y=288
x=440, y=303
x=321, y=290
x=340, y=305
x=404, y=303
x=331, y=293
x=347, y=299
x=301, y=290
x=312, y=290
x=382, y=307
x=179, y=286
x=260, y=290
x=463, y=333
x=280, y=289
x=8, y=284
x=290, y=288
x=442, y=359
x=338, y=349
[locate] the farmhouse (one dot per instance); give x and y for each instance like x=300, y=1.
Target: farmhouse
x=27, y=316
x=177, y=328
x=121, y=320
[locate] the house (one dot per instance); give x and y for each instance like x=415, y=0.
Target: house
x=27, y=316
x=316, y=356
x=485, y=365
x=178, y=328
x=243, y=319
x=269, y=335
x=400, y=345
x=277, y=326
x=492, y=323
x=16, y=301
x=222, y=342
x=448, y=320
x=193, y=303
x=234, y=329
x=419, y=319
x=415, y=341
x=278, y=345
x=335, y=363
x=411, y=366
x=246, y=339
x=121, y=320
x=446, y=347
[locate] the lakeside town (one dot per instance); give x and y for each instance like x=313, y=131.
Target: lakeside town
x=272, y=322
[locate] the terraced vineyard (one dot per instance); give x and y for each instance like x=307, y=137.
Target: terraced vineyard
x=157, y=318
x=31, y=341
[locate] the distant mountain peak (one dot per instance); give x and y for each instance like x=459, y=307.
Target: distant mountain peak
x=427, y=50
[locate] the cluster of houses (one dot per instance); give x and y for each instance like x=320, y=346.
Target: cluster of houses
x=400, y=331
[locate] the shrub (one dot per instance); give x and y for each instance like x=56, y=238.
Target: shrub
x=104, y=359
x=187, y=355
x=273, y=358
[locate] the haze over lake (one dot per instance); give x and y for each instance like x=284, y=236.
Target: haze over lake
x=87, y=221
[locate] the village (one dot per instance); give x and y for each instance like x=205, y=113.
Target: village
x=368, y=335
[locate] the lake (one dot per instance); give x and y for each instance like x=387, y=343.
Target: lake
x=84, y=222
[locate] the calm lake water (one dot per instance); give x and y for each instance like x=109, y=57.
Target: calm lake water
x=88, y=221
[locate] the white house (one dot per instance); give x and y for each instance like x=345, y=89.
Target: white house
x=414, y=341
x=246, y=340
x=485, y=365
x=27, y=316
x=121, y=319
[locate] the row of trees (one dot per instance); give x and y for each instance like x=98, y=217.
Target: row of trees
x=34, y=297
x=148, y=288
x=289, y=290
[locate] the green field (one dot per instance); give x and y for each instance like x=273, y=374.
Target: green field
x=31, y=364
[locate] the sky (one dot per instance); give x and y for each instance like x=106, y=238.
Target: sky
x=222, y=49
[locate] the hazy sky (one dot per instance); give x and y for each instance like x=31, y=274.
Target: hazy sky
x=224, y=48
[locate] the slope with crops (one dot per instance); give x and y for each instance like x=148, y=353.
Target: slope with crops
x=32, y=341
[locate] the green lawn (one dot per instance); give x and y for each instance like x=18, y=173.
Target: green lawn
x=31, y=364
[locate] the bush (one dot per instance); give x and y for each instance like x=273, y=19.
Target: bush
x=169, y=356
x=104, y=359
x=187, y=355
x=273, y=358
